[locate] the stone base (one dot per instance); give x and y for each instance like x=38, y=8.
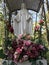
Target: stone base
x=41, y=62
x=9, y=62
x=24, y=63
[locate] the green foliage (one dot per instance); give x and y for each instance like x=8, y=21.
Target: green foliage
x=2, y=55
x=1, y=17
x=33, y=62
x=47, y=56
x=1, y=32
x=7, y=42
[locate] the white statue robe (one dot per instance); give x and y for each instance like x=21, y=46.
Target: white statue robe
x=23, y=22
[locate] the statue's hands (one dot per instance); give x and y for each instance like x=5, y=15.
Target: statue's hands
x=16, y=21
x=29, y=20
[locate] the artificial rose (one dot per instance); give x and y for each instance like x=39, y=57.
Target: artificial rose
x=16, y=56
x=41, y=47
x=27, y=42
x=8, y=26
x=21, y=60
x=24, y=49
x=37, y=28
x=14, y=44
x=25, y=57
x=11, y=29
x=28, y=37
x=20, y=36
x=18, y=50
x=41, y=22
x=33, y=49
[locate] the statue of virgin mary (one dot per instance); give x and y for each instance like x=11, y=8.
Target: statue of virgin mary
x=23, y=21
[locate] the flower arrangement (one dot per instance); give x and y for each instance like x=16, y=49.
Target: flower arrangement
x=23, y=49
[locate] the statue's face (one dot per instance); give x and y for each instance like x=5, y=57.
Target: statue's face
x=23, y=6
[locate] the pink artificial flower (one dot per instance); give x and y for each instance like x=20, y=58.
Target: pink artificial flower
x=20, y=36
x=28, y=36
x=22, y=47
x=19, y=50
x=20, y=60
x=41, y=46
x=37, y=28
x=24, y=34
x=27, y=42
x=41, y=22
x=25, y=57
x=16, y=56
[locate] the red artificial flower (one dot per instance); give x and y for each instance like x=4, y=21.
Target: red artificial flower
x=33, y=49
x=11, y=29
x=14, y=44
x=37, y=28
x=8, y=26
x=41, y=22
x=29, y=53
x=36, y=53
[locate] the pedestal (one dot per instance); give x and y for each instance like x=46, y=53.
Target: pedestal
x=10, y=62
x=41, y=62
x=25, y=63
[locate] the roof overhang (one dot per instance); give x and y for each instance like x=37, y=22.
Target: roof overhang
x=14, y=5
